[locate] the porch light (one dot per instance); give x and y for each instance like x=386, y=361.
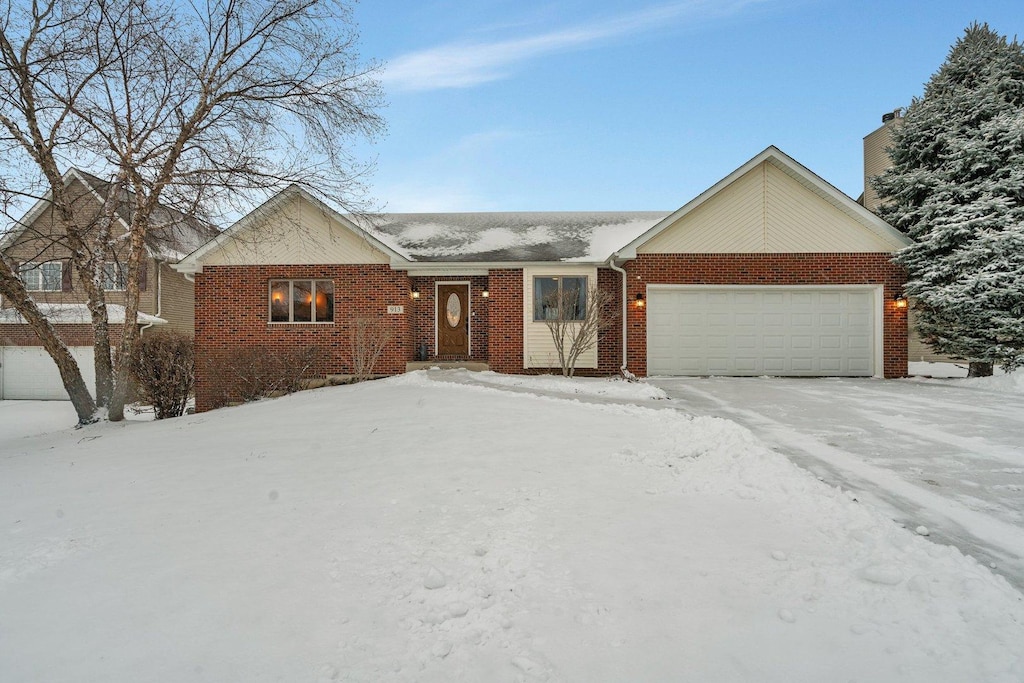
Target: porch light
x=639, y=299
x=900, y=301
x=415, y=292
x=485, y=294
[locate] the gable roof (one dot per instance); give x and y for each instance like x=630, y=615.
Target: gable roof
x=192, y=263
x=513, y=236
x=810, y=180
x=171, y=236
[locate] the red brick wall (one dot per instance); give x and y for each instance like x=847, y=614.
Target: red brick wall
x=769, y=269
x=425, y=315
x=71, y=335
x=505, y=320
x=231, y=313
x=609, y=344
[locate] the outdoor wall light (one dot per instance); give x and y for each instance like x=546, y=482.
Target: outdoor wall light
x=639, y=299
x=900, y=301
x=485, y=294
x=415, y=292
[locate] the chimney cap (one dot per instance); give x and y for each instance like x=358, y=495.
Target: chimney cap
x=892, y=115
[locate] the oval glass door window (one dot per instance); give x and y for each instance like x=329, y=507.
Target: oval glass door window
x=453, y=310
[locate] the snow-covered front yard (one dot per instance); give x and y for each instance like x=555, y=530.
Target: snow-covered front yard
x=420, y=530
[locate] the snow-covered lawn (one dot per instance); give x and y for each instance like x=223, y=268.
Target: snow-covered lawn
x=948, y=454
x=419, y=530
x=19, y=419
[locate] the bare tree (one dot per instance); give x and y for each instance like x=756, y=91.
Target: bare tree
x=193, y=105
x=368, y=337
x=576, y=319
x=48, y=56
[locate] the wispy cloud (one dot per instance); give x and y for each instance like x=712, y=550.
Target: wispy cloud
x=466, y=64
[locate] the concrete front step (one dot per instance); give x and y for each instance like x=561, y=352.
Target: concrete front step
x=475, y=366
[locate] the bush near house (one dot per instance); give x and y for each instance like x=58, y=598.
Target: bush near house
x=248, y=374
x=165, y=373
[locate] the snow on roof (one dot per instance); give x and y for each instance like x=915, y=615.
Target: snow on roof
x=514, y=236
x=78, y=313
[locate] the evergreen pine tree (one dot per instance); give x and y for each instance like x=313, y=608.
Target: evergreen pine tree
x=956, y=188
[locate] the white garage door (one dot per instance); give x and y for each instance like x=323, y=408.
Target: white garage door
x=28, y=372
x=789, y=331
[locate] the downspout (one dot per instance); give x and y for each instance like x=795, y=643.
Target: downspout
x=159, y=300
x=625, y=310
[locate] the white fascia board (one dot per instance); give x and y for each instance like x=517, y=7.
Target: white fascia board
x=843, y=202
x=416, y=268
x=798, y=171
x=193, y=262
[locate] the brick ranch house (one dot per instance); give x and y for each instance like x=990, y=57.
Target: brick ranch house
x=771, y=271
x=36, y=249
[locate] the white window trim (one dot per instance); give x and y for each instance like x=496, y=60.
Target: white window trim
x=291, y=301
x=118, y=275
x=37, y=267
x=533, y=304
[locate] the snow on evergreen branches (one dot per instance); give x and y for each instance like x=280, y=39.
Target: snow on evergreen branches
x=956, y=188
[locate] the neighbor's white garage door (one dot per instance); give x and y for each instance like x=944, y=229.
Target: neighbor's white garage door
x=761, y=331
x=28, y=372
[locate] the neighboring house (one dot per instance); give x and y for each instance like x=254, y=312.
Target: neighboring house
x=34, y=244
x=772, y=271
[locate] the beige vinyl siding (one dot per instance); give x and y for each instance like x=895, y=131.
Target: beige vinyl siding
x=295, y=233
x=876, y=160
x=178, y=301
x=538, y=348
x=767, y=210
x=44, y=240
x=917, y=350
x=733, y=220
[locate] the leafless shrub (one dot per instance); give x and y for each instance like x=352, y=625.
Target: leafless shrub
x=249, y=374
x=368, y=337
x=575, y=334
x=164, y=372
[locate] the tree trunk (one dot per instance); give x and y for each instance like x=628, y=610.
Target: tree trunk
x=12, y=288
x=980, y=369
x=130, y=330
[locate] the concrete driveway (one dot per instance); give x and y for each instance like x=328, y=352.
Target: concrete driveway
x=944, y=456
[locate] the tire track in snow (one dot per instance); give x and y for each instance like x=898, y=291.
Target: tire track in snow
x=974, y=533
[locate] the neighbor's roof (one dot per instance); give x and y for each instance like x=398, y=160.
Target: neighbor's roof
x=78, y=313
x=171, y=236
x=590, y=236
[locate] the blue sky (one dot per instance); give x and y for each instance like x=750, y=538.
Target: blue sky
x=577, y=105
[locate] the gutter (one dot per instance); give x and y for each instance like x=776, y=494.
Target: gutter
x=625, y=310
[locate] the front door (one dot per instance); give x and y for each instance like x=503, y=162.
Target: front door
x=453, y=320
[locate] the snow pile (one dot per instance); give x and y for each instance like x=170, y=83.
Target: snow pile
x=596, y=387
x=1008, y=383
x=413, y=530
x=1000, y=381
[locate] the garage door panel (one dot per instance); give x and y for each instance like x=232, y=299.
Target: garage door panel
x=831, y=366
x=29, y=373
x=761, y=330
